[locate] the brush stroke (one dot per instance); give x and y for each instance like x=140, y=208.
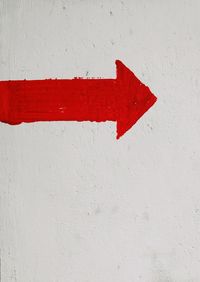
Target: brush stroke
x=122, y=100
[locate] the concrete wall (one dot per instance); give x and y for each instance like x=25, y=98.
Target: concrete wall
x=77, y=205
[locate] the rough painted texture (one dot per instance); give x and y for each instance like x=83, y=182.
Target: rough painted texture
x=76, y=205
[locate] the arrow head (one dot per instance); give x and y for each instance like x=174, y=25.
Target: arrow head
x=134, y=99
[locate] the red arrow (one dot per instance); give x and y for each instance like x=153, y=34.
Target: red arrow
x=123, y=100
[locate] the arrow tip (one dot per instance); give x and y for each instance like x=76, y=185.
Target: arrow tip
x=135, y=99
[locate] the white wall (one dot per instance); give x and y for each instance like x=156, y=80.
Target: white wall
x=77, y=205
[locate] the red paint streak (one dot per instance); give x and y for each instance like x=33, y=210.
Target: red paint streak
x=123, y=100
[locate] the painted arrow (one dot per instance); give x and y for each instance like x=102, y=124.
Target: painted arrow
x=123, y=100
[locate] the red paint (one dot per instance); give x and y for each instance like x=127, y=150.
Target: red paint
x=123, y=100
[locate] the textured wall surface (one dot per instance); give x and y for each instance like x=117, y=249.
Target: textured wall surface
x=77, y=205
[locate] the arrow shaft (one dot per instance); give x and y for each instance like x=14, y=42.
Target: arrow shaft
x=46, y=100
